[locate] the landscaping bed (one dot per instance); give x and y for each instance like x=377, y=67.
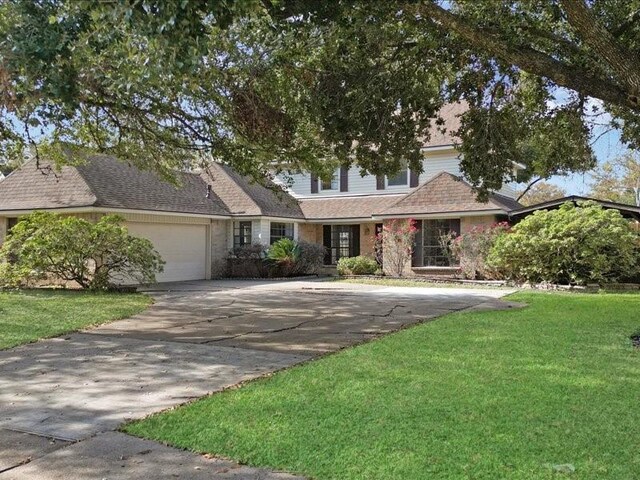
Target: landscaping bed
x=535, y=393
x=29, y=315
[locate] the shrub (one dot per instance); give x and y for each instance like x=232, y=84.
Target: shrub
x=360, y=265
x=251, y=250
x=472, y=248
x=283, y=256
x=94, y=255
x=396, y=238
x=571, y=245
x=311, y=258
x=247, y=261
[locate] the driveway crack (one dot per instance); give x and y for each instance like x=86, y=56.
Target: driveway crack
x=389, y=313
x=252, y=332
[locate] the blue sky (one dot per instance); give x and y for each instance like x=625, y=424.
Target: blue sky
x=606, y=147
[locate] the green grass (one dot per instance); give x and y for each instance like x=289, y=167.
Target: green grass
x=26, y=316
x=469, y=396
x=399, y=282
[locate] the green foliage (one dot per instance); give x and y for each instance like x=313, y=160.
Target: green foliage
x=46, y=246
x=285, y=258
x=360, y=265
x=541, y=192
x=311, y=258
x=472, y=248
x=309, y=85
x=618, y=180
x=571, y=245
x=284, y=252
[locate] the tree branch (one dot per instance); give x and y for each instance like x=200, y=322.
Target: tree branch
x=531, y=60
x=622, y=62
x=526, y=190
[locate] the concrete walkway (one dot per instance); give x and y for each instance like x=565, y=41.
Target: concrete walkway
x=61, y=399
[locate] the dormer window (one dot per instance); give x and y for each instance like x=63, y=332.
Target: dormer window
x=400, y=179
x=331, y=184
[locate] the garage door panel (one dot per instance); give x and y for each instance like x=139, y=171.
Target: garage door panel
x=182, y=247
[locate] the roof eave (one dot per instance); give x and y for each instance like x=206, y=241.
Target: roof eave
x=444, y=214
x=94, y=209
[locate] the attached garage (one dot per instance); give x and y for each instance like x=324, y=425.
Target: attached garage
x=182, y=246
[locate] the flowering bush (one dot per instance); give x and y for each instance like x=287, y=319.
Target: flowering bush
x=471, y=249
x=571, y=245
x=396, y=238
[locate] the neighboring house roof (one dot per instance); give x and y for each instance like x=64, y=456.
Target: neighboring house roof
x=627, y=211
x=246, y=198
x=346, y=207
x=105, y=182
x=446, y=193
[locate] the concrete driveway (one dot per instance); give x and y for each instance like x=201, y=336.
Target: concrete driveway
x=62, y=399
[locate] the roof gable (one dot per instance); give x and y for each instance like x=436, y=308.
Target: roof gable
x=244, y=197
x=33, y=187
x=446, y=193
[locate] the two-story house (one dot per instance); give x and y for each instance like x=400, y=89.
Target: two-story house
x=195, y=225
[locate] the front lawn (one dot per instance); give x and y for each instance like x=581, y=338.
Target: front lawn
x=26, y=316
x=519, y=394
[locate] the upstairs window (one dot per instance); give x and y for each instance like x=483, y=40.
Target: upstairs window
x=241, y=234
x=331, y=184
x=401, y=178
x=280, y=230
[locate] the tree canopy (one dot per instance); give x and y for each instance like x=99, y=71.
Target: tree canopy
x=541, y=192
x=618, y=180
x=301, y=84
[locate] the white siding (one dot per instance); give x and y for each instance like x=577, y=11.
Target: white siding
x=435, y=162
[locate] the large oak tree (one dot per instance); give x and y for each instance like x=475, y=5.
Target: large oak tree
x=302, y=84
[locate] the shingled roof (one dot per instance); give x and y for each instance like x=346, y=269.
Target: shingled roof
x=446, y=193
x=105, y=182
x=346, y=207
x=246, y=198
x=441, y=135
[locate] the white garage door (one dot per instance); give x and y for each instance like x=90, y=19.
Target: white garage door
x=183, y=248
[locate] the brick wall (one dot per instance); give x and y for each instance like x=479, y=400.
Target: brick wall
x=367, y=239
x=467, y=223
x=219, y=246
x=310, y=232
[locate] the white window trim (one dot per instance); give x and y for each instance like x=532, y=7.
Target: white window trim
x=401, y=185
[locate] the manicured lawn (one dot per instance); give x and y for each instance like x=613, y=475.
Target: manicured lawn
x=29, y=315
x=472, y=395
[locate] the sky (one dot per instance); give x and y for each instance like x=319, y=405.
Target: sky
x=607, y=147
x=606, y=142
